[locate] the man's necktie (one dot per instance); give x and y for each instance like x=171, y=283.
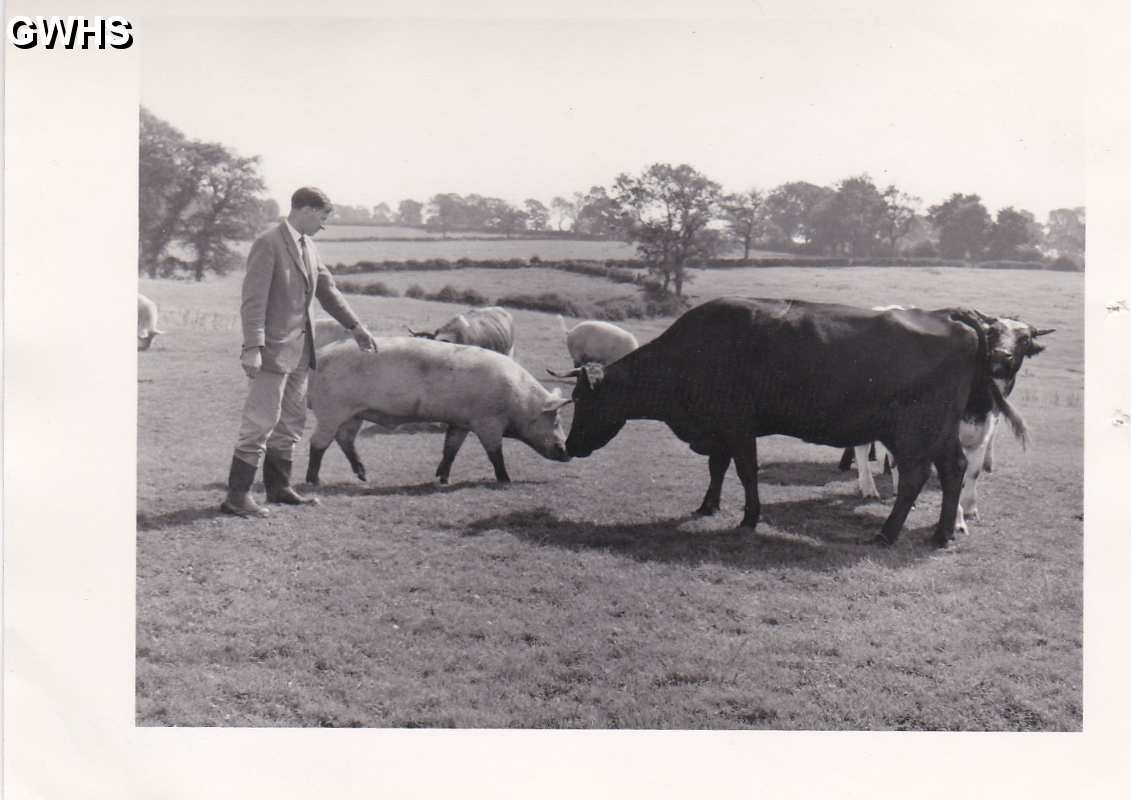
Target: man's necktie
x=305, y=255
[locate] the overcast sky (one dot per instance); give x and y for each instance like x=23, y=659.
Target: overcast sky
x=375, y=111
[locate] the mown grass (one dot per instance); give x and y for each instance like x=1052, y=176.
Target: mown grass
x=584, y=595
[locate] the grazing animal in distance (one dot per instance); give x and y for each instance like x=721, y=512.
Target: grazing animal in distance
x=733, y=369
x=147, y=328
x=491, y=328
x=597, y=342
x=418, y=380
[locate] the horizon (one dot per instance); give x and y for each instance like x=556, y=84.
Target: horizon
x=388, y=110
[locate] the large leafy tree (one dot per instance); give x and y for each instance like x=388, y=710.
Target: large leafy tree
x=898, y=218
x=227, y=207
x=410, y=212
x=850, y=219
x=667, y=211
x=1066, y=232
x=744, y=215
x=598, y=214
x=1012, y=232
x=194, y=193
x=563, y=211
x=537, y=215
x=790, y=208
x=963, y=225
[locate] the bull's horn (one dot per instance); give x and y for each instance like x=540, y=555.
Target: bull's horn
x=1043, y=332
x=573, y=373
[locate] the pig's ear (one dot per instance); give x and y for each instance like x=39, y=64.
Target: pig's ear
x=555, y=402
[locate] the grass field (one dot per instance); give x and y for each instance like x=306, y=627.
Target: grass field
x=584, y=594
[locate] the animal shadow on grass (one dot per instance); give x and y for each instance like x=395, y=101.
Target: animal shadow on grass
x=817, y=534
x=178, y=518
x=423, y=489
x=804, y=473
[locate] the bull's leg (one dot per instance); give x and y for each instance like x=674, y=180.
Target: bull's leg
x=846, y=459
x=968, y=500
x=911, y=483
x=453, y=441
x=744, y=449
x=864, y=481
x=346, y=437
x=872, y=452
x=952, y=467
x=718, y=464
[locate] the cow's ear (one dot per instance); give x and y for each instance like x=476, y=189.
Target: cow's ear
x=1034, y=348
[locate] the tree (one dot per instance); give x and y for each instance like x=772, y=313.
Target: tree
x=381, y=214
x=1066, y=233
x=228, y=207
x=597, y=214
x=850, y=219
x=499, y=215
x=744, y=215
x=963, y=225
x=667, y=210
x=537, y=215
x=196, y=193
x=790, y=207
x=899, y=215
x=1012, y=231
x=445, y=212
x=410, y=212
x=563, y=210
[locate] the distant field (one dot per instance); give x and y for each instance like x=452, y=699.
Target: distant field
x=452, y=249
x=392, y=232
x=584, y=595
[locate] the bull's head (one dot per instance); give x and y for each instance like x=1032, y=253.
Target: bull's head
x=1011, y=342
x=595, y=417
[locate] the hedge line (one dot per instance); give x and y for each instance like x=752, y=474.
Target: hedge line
x=633, y=271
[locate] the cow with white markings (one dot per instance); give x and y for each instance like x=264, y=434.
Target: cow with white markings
x=1011, y=342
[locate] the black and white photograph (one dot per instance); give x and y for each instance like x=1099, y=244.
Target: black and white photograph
x=642, y=376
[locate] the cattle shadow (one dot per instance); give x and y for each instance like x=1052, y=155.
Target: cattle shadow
x=423, y=489
x=816, y=534
x=808, y=473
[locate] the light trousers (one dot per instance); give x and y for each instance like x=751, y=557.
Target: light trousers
x=274, y=415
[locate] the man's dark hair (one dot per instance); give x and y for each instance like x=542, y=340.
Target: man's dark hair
x=309, y=197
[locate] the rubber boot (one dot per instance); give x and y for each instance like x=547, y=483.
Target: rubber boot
x=277, y=482
x=239, y=502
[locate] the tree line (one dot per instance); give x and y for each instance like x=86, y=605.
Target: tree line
x=196, y=197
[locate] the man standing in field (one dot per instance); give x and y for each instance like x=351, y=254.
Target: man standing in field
x=284, y=275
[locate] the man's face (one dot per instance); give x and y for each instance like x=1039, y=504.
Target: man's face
x=311, y=220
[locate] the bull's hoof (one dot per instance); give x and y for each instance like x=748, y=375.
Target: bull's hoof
x=442, y=480
x=941, y=541
x=747, y=524
x=881, y=541
x=705, y=511
x=361, y=476
x=312, y=480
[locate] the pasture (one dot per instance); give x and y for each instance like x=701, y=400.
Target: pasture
x=584, y=595
x=349, y=252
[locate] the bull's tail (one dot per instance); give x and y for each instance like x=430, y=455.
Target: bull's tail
x=1016, y=423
